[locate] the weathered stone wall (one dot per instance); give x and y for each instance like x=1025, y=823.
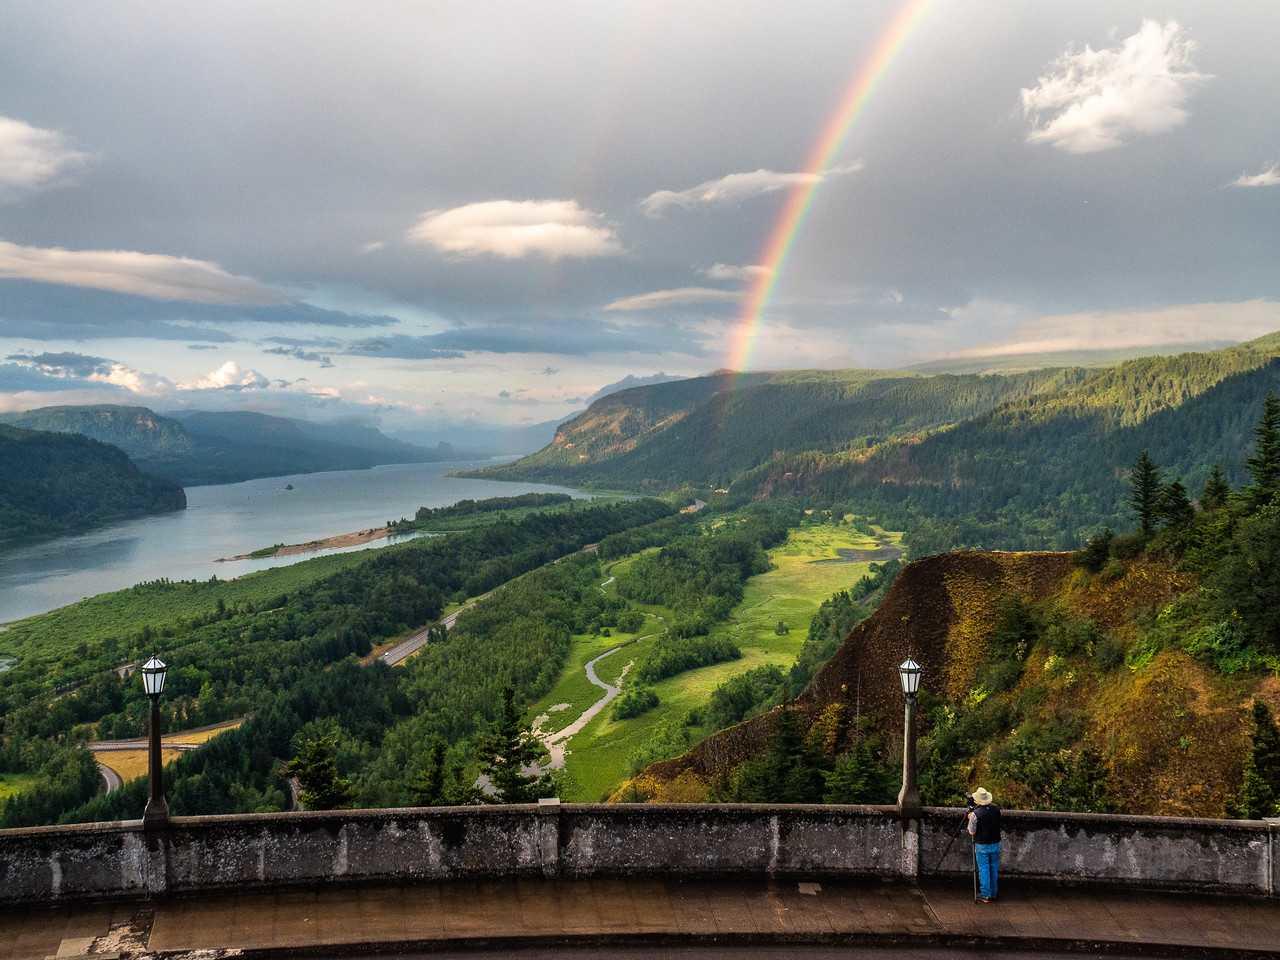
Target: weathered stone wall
x=196, y=853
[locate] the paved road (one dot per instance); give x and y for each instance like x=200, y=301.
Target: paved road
x=415, y=642
x=171, y=741
x=110, y=778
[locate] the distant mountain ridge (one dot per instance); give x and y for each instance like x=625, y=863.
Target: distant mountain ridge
x=53, y=483
x=200, y=447
x=1013, y=460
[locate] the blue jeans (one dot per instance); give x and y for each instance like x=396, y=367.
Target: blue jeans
x=988, y=857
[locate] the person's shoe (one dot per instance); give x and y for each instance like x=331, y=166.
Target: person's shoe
x=986, y=899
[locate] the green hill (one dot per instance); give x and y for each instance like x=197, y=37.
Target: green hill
x=197, y=447
x=54, y=483
x=709, y=430
x=1045, y=470
x=1013, y=460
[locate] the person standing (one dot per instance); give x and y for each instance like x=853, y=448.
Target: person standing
x=984, y=827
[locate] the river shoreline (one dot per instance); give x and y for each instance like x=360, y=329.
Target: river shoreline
x=353, y=539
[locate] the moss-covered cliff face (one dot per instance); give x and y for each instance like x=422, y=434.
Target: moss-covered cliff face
x=1043, y=683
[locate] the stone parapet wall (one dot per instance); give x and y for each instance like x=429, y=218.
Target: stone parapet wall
x=62, y=863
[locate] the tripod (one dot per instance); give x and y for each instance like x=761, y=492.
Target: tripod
x=964, y=825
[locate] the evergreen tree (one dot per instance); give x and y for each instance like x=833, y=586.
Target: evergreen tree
x=507, y=750
x=1264, y=465
x=1175, y=506
x=316, y=767
x=1216, y=490
x=859, y=776
x=1259, y=794
x=428, y=785
x=786, y=773
x=1145, y=489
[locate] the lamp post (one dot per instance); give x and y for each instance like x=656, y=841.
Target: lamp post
x=909, y=796
x=156, y=814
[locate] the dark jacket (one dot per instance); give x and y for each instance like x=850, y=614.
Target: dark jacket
x=988, y=824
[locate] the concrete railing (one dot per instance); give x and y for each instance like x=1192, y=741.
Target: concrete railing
x=45, y=864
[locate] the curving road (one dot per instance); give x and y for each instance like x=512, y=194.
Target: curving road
x=110, y=779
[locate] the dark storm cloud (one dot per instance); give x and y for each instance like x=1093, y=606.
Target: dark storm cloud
x=38, y=311
x=297, y=353
x=16, y=378
x=578, y=338
x=65, y=364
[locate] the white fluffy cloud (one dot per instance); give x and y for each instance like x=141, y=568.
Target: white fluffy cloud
x=229, y=376
x=677, y=297
x=152, y=275
x=735, y=187
x=1266, y=178
x=1091, y=100
x=512, y=229
x=747, y=273
x=32, y=158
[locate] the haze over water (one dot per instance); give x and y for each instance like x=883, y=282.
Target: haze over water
x=230, y=519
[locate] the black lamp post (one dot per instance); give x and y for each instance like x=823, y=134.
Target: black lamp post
x=909, y=796
x=156, y=814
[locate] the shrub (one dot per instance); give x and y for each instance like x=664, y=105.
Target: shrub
x=1096, y=551
x=630, y=621
x=633, y=702
x=1128, y=546
x=1067, y=636
x=1109, y=654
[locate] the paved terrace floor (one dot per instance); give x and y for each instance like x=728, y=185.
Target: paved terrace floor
x=424, y=918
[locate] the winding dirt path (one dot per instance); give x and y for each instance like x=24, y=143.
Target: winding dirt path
x=557, y=741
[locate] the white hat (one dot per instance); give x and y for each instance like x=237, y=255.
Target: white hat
x=982, y=796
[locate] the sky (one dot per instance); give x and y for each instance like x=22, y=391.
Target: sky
x=443, y=213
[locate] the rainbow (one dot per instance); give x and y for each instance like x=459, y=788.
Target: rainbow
x=783, y=235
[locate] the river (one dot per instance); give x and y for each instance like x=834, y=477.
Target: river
x=229, y=519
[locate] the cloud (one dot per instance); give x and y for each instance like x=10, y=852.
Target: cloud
x=79, y=369
x=373, y=246
x=1266, y=178
x=736, y=187
x=33, y=159
x=1093, y=100
x=550, y=371
x=725, y=271
x=66, y=364
x=680, y=296
x=298, y=353
x=151, y=275
x=229, y=376
x=40, y=311
x=512, y=229
x=577, y=338
x=1187, y=323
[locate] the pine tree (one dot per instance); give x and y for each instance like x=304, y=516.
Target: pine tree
x=428, y=785
x=1259, y=794
x=316, y=767
x=507, y=750
x=859, y=777
x=1175, y=506
x=1264, y=465
x=1146, y=487
x=1216, y=490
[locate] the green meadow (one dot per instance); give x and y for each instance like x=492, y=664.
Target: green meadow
x=599, y=757
x=13, y=783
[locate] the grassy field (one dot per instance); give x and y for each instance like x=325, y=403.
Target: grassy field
x=132, y=764
x=790, y=592
x=13, y=783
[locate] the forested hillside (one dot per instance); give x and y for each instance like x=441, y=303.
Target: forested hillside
x=197, y=447
x=1137, y=675
x=714, y=428
x=1015, y=461
x=1045, y=471
x=51, y=483
x=289, y=662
